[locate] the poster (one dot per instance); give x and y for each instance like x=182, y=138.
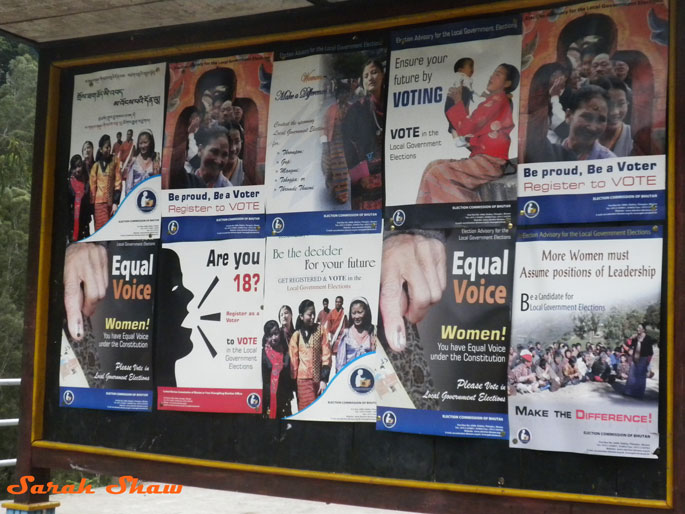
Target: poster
x=106, y=352
x=115, y=154
x=593, y=113
x=215, y=146
x=209, y=325
x=326, y=126
x=322, y=300
x=452, y=129
x=586, y=341
x=446, y=368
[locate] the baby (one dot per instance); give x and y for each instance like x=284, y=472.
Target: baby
x=463, y=70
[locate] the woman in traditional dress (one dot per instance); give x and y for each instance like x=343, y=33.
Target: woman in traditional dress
x=276, y=381
x=310, y=356
x=362, y=133
x=105, y=183
x=145, y=164
x=487, y=130
x=79, y=200
x=358, y=339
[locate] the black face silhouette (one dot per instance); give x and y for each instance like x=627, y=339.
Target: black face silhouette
x=173, y=340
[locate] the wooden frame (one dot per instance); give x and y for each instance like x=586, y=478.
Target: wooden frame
x=38, y=455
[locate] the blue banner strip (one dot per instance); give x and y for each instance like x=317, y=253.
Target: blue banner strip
x=585, y=233
x=105, y=399
x=326, y=223
x=212, y=228
x=592, y=208
x=477, y=425
x=457, y=32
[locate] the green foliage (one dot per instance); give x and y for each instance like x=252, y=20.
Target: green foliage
x=17, y=120
x=585, y=324
x=18, y=74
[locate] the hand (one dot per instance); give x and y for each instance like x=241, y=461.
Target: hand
x=114, y=209
x=420, y=263
x=85, y=283
x=322, y=388
x=557, y=86
x=454, y=93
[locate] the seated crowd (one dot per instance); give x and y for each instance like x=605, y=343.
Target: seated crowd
x=559, y=365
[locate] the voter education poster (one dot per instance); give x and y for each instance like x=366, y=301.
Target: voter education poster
x=208, y=357
x=447, y=376
x=114, y=183
x=106, y=349
x=586, y=341
x=322, y=294
x=452, y=125
x=215, y=146
x=593, y=114
x=326, y=127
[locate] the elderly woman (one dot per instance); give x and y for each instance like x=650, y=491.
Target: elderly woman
x=213, y=151
x=487, y=130
x=362, y=133
x=587, y=116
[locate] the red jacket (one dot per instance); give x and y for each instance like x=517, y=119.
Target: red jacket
x=488, y=127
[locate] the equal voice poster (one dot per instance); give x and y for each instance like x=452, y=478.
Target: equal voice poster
x=326, y=128
x=106, y=352
x=322, y=291
x=115, y=151
x=452, y=126
x=215, y=145
x=593, y=113
x=587, y=317
x=447, y=374
x=209, y=326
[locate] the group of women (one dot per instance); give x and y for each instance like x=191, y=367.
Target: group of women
x=95, y=183
x=299, y=359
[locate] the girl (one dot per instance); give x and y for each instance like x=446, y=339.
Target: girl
x=285, y=318
x=79, y=199
x=310, y=356
x=105, y=183
x=358, y=339
x=277, y=385
x=145, y=164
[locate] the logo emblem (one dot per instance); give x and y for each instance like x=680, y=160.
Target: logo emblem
x=361, y=380
x=147, y=200
x=68, y=397
x=531, y=209
x=389, y=419
x=253, y=400
x=172, y=227
x=398, y=218
x=277, y=225
x=524, y=435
